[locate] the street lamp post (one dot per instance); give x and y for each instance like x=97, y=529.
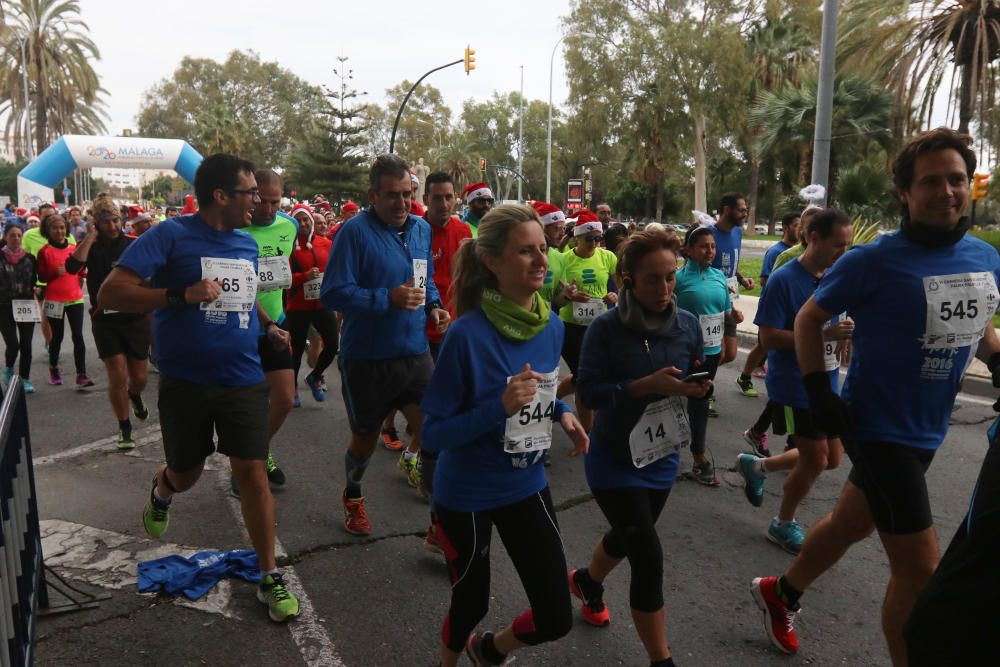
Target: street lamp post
x=548, y=157
x=399, y=114
x=824, y=96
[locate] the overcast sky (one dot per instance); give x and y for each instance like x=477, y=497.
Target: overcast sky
x=142, y=42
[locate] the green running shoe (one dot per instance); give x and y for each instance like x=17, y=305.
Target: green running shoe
x=155, y=516
x=274, y=474
x=125, y=439
x=411, y=468
x=746, y=387
x=281, y=605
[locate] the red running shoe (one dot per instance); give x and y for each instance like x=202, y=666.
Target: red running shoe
x=778, y=618
x=390, y=438
x=595, y=612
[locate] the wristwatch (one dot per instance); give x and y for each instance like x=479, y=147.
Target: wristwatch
x=175, y=296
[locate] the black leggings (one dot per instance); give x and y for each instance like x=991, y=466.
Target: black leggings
x=17, y=337
x=529, y=532
x=698, y=408
x=632, y=513
x=325, y=321
x=74, y=314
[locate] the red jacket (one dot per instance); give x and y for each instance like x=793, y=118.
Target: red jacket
x=64, y=288
x=445, y=242
x=302, y=260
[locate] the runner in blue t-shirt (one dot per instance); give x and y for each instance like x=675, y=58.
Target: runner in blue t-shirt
x=490, y=408
x=728, y=233
x=922, y=300
x=198, y=273
x=814, y=451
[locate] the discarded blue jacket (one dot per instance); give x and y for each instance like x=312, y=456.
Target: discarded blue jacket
x=193, y=577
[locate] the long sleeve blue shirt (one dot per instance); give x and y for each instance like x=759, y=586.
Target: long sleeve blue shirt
x=368, y=259
x=465, y=418
x=612, y=356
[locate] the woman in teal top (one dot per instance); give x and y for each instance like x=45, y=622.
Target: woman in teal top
x=702, y=291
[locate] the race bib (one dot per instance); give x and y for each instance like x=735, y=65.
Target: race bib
x=830, y=360
x=734, y=288
x=26, y=310
x=420, y=276
x=238, y=280
x=712, y=328
x=585, y=312
x=661, y=431
x=310, y=288
x=273, y=273
x=54, y=309
x=530, y=428
x=959, y=306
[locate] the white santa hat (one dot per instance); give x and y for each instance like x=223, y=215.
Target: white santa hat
x=475, y=191
x=549, y=214
x=586, y=222
x=302, y=208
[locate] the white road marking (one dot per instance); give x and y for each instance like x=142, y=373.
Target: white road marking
x=143, y=436
x=110, y=560
x=307, y=632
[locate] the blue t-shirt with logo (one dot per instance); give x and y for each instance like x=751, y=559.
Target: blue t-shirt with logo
x=784, y=295
x=771, y=256
x=919, y=313
x=208, y=347
x=727, y=249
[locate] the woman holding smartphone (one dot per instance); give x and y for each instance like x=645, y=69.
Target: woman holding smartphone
x=632, y=367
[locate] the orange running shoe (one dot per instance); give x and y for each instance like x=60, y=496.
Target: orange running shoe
x=391, y=440
x=355, y=517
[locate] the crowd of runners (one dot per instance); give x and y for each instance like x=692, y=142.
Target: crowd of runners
x=459, y=325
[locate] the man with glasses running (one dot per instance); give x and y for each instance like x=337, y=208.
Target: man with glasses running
x=198, y=273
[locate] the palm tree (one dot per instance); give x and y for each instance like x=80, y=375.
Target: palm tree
x=455, y=157
x=862, y=112
x=913, y=45
x=219, y=131
x=64, y=88
x=778, y=48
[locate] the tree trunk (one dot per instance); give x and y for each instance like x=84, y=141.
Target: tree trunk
x=805, y=167
x=41, y=114
x=659, y=199
x=754, y=193
x=650, y=201
x=965, y=102
x=700, y=182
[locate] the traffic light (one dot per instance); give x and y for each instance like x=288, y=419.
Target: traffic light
x=470, y=60
x=482, y=164
x=980, y=186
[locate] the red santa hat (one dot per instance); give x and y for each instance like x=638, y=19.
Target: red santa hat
x=303, y=208
x=349, y=207
x=414, y=179
x=323, y=205
x=32, y=217
x=189, y=205
x=550, y=215
x=475, y=191
x=134, y=212
x=586, y=222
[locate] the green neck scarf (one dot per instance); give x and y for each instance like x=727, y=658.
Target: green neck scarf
x=512, y=320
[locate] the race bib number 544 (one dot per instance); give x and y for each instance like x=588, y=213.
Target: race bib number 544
x=958, y=308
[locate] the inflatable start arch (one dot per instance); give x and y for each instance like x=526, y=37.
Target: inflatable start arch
x=35, y=183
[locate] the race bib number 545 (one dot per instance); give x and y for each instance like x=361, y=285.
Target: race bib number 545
x=958, y=308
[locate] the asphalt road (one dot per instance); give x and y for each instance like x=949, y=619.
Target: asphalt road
x=380, y=600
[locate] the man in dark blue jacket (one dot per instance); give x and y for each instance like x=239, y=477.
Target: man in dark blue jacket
x=380, y=276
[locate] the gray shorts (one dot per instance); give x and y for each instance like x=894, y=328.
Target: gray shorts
x=372, y=388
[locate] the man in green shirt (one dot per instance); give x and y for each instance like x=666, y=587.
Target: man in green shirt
x=553, y=222
x=275, y=234
x=479, y=198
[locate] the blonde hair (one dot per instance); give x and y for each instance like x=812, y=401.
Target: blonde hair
x=470, y=275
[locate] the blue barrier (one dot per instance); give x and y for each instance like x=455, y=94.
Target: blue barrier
x=22, y=581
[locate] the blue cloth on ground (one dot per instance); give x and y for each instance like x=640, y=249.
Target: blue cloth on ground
x=193, y=577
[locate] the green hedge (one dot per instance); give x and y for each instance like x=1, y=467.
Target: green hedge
x=993, y=238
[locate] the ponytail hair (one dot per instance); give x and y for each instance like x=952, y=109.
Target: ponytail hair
x=470, y=275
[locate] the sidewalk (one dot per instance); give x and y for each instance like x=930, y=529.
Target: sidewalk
x=747, y=331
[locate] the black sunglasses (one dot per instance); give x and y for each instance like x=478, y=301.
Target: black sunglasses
x=253, y=193
x=594, y=239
